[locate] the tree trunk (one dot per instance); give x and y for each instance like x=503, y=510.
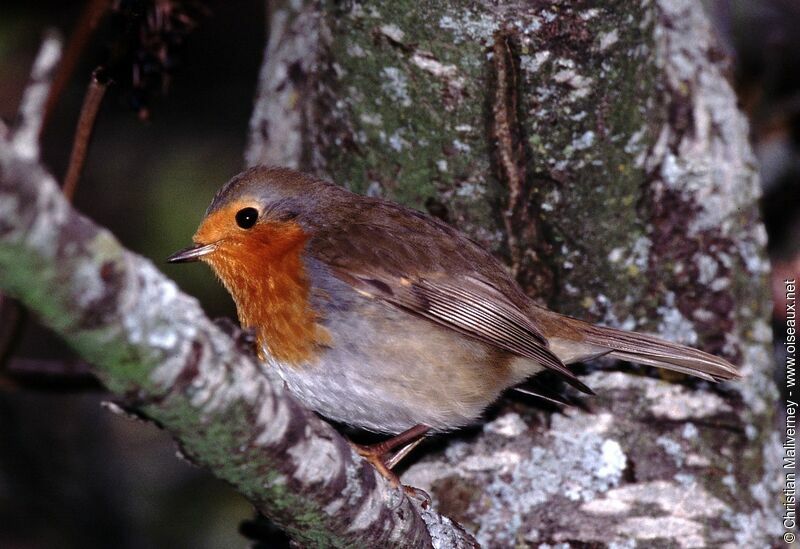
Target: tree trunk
x=600, y=153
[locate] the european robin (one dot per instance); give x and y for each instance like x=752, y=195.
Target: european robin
x=384, y=318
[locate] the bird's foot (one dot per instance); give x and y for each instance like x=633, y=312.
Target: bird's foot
x=377, y=458
x=383, y=461
x=381, y=458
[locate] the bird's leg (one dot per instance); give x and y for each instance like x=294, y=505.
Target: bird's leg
x=376, y=454
x=410, y=435
x=402, y=453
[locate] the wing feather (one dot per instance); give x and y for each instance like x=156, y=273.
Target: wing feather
x=428, y=269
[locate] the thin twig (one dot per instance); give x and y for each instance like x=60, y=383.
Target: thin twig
x=50, y=375
x=24, y=140
x=11, y=322
x=90, y=17
x=83, y=132
x=25, y=135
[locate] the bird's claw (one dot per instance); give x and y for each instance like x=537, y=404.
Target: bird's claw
x=379, y=461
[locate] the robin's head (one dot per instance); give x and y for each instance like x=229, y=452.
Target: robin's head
x=259, y=214
x=253, y=236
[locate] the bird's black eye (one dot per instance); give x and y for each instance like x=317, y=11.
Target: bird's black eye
x=246, y=217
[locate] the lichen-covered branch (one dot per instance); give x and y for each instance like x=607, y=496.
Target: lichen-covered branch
x=637, y=199
x=153, y=346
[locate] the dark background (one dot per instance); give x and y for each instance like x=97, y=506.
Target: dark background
x=74, y=475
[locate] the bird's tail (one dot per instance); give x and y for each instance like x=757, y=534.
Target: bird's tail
x=591, y=341
x=653, y=351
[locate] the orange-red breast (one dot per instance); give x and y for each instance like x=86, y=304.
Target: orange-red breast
x=385, y=318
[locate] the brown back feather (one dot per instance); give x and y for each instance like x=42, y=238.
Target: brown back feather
x=423, y=266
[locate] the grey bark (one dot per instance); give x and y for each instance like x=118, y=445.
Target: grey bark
x=599, y=151
x=154, y=348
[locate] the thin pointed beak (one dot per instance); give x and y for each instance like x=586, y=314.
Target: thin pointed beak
x=192, y=253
